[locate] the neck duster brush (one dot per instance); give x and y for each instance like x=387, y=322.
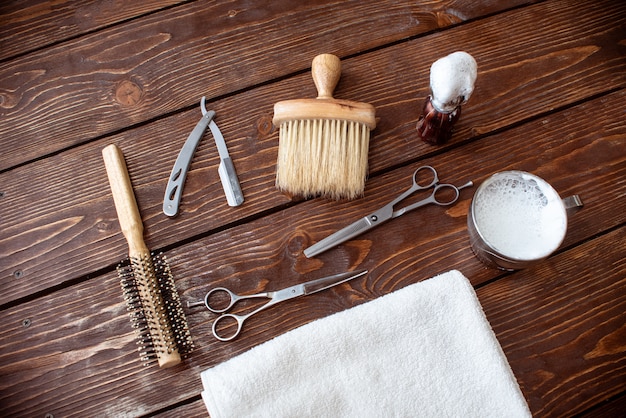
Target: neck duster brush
x=153, y=303
x=324, y=142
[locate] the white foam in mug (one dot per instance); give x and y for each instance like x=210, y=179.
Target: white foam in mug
x=516, y=219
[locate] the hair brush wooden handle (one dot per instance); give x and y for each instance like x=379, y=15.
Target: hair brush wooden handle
x=124, y=198
x=326, y=71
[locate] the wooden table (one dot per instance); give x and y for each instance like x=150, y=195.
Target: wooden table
x=77, y=76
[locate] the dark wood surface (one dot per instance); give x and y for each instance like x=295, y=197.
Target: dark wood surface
x=76, y=76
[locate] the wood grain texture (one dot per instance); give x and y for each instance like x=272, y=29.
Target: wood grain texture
x=72, y=212
x=610, y=408
x=88, y=318
x=576, y=312
x=128, y=74
x=28, y=25
x=195, y=409
x=549, y=99
x=76, y=236
x=83, y=335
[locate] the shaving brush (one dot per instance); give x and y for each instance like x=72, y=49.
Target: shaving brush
x=451, y=84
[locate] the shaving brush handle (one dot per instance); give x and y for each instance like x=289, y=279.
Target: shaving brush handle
x=326, y=71
x=124, y=198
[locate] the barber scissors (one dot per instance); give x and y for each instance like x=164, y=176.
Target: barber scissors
x=443, y=195
x=229, y=299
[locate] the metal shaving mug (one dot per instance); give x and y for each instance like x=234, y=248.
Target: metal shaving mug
x=517, y=219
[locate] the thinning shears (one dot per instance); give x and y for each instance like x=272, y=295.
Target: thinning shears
x=221, y=299
x=443, y=195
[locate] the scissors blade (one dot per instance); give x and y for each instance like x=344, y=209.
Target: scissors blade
x=343, y=235
x=354, y=229
x=324, y=283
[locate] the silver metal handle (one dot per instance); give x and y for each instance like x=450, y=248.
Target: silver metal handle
x=572, y=204
x=174, y=188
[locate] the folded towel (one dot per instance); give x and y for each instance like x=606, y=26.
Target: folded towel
x=425, y=350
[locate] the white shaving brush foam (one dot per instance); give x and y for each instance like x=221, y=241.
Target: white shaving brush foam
x=452, y=81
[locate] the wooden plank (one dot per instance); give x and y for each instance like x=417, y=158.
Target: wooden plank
x=574, y=307
x=195, y=409
x=125, y=75
x=611, y=408
x=71, y=232
x=81, y=333
x=27, y=25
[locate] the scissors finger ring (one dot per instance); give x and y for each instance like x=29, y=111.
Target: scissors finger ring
x=225, y=323
x=445, y=194
x=417, y=182
x=220, y=299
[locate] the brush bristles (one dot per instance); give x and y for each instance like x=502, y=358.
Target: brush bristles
x=155, y=310
x=173, y=306
x=323, y=157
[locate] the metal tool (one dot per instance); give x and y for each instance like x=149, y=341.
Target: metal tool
x=387, y=212
x=303, y=289
x=226, y=170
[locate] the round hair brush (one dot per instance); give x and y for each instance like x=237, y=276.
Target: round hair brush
x=147, y=283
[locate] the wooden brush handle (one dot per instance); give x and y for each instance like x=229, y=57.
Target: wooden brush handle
x=124, y=198
x=326, y=71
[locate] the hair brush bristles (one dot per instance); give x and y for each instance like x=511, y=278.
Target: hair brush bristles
x=325, y=158
x=323, y=142
x=173, y=305
x=155, y=310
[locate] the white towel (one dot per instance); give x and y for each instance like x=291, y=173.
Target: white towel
x=426, y=350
